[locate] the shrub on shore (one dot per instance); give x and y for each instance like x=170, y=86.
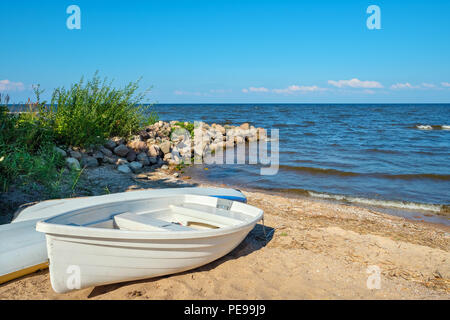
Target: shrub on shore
x=88, y=113
x=85, y=114
x=27, y=151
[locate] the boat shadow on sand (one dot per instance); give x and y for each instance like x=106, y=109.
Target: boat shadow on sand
x=258, y=238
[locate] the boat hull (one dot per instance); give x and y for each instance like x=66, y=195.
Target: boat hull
x=81, y=262
x=23, y=250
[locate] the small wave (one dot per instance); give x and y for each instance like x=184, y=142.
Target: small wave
x=445, y=177
x=334, y=172
x=313, y=170
x=432, y=127
x=382, y=151
x=441, y=209
x=438, y=208
x=424, y=127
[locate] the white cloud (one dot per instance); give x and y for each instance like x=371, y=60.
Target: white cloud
x=406, y=85
x=7, y=85
x=355, y=83
x=301, y=89
x=220, y=90
x=187, y=93
x=260, y=89
x=289, y=90
x=445, y=84
x=428, y=85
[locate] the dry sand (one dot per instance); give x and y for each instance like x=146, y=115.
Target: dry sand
x=313, y=250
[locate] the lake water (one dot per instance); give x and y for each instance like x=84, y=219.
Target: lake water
x=396, y=154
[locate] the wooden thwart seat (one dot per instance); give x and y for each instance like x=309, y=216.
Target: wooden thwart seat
x=136, y=222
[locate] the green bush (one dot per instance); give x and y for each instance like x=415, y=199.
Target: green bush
x=26, y=149
x=85, y=114
x=88, y=113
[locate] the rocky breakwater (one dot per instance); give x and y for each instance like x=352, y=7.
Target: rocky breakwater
x=161, y=145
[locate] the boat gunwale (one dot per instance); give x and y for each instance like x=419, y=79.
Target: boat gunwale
x=70, y=231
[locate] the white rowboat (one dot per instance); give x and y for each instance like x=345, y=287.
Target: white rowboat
x=136, y=239
x=23, y=250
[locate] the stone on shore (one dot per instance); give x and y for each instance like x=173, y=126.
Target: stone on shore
x=165, y=146
x=135, y=166
x=89, y=162
x=245, y=126
x=110, y=160
x=118, y=140
x=98, y=155
x=131, y=156
x=124, y=168
x=154, y=151
x=106, y=151
x=60, y=151
x=110, y=144
x=143, y=158
x=120, y=161
x=121, y=150
x=75, y=154
x=73, y=164
x=153, y=160
x=138, y=146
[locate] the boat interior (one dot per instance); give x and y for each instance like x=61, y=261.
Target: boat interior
x=175, y=213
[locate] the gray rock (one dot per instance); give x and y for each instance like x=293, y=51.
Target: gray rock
x=167, y=156
x=109, y=160
x=138, y=145
x=106, y=151
x=176, y=174
x=143, y=158
x=73, y=164
x=154, y=151
x=75, y=154
x=131, y=156
x=60, y=151
x=135, y=166
x=110, y=144
x=165, y=167
x=98, y=155
x=144, y=135
x=121, y=150
x=89, y=162
x=124, y=168
x=165, y=146
x=153, y=160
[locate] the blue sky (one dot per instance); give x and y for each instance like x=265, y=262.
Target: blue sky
x=232, y=51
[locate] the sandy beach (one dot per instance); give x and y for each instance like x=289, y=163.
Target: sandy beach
x=308, y=249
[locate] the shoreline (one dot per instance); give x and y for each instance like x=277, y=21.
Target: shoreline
x=316, y=250
x=417, y=215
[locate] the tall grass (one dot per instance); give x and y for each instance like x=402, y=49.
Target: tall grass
x=89, y=112
x=26, y=148
x=86, y=113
